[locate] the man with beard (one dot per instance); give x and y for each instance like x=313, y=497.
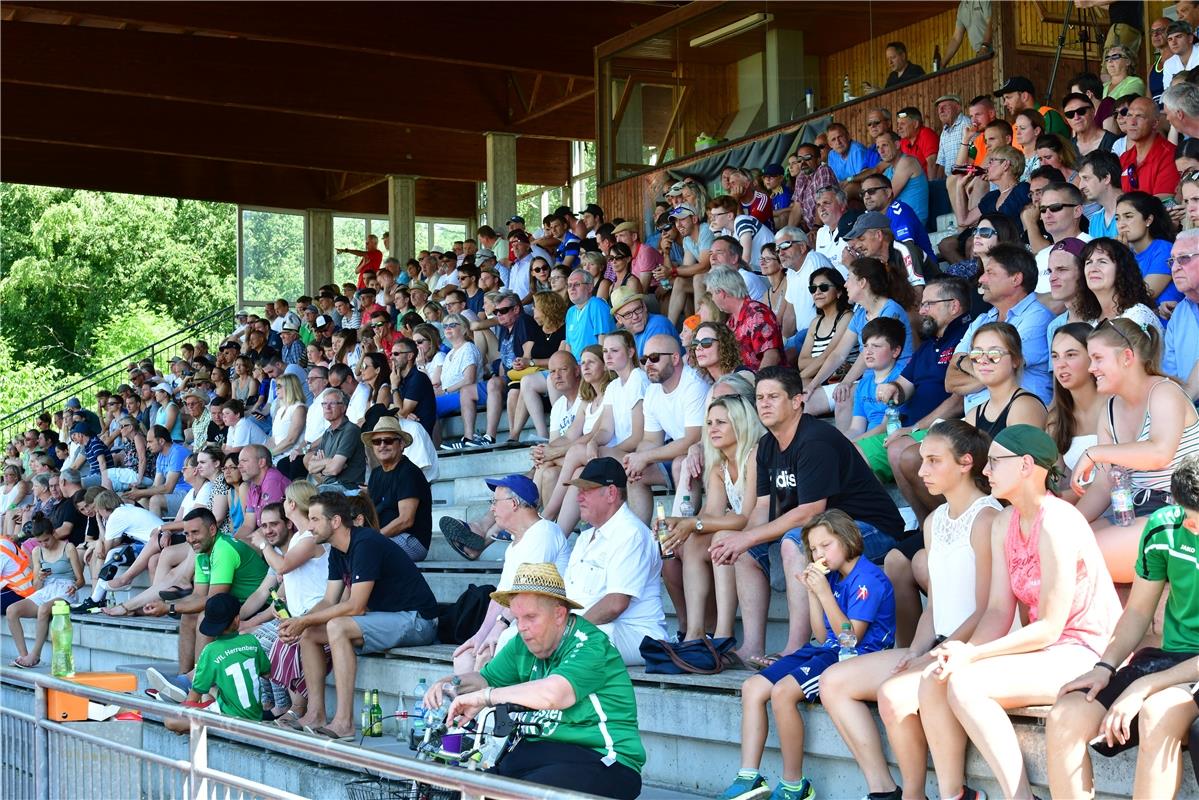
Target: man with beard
x=809, y=175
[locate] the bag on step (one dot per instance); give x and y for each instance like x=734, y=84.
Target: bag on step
x=706, y=656
x=459, y=621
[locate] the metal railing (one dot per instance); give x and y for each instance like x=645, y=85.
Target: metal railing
x=43, y=759
x=112, y=375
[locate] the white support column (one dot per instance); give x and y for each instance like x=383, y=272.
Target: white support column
x=501, y=178
x=401, y=214
x=318, y=267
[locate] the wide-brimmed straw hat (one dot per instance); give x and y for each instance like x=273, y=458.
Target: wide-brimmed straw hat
x=542, y=579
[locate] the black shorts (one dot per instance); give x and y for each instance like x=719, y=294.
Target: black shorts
x=1143, y=662
x=911, y=544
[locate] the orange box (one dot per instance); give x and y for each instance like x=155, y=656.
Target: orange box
x=63, y=707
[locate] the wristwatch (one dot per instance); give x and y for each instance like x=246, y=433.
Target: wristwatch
x=171, y=609
x=699, y=525
x=501, y=619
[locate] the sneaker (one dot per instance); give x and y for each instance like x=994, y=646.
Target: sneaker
x=167, y=690
x=460, y=444
x=88, y=606
x=804, y=792
x=973, y=794
x=478, y=441
x=746, y=789
x=895, y=795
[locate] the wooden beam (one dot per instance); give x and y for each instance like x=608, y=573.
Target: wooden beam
x=357, y=188
x=673, y=122
x=558, y=105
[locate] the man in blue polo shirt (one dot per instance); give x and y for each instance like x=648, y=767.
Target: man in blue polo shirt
x=1180, y=358
x=878, y=195
x=631, y=312
x=588, y=317
x=567, y=251
x=846, y=158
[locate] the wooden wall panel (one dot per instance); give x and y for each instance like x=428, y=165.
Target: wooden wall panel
x=867, y=61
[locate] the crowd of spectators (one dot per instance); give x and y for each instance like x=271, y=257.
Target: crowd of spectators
x=785, y=352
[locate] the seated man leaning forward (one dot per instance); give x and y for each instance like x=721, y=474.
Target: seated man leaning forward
x=567, y=670
x=376, y=599
x=615, y=567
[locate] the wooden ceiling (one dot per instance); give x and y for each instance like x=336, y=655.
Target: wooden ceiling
x=297, y=105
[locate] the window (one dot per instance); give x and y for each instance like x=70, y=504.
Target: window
x=270, y=255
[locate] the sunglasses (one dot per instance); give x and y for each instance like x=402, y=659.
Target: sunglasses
x=378, y=324
x=418, y=341
x=787, y=245
x=1071, y=113
x=1182, y=259
x=1056, y=207
x=540, y=269
x=1114, y=57
x=449, y=325
x=994, y=355
x=654, y=357
x=806, y=158
x=872, y=190
x=985, y=233
x=819, y=287
x=505, y=310
x=704, y=343
x=385, y=442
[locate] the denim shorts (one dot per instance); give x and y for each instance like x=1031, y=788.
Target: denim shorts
x=876, y=544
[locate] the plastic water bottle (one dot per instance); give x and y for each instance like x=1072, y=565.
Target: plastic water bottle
x=402, y=721
x=417, y=733
x=848, y=641
x=1122, y=509
x=810, y=99
x=891, y=415
x=364, y=716
x=685, y=507
x=845, y=89
x=62, y=663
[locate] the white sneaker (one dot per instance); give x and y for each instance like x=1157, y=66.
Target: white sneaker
x=166, y=690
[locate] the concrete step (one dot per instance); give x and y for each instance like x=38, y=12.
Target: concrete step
x=471, y=464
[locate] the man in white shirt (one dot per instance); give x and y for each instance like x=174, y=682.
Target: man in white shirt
x=830, y=207
x=615, y=567
x=1181, y=41
x=800, y=261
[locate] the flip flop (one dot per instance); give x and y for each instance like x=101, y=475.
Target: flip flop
x=19, y=665
x=290, y=721
x=325, y=733
x=462, y=538
x=762, y=662
x=174, y=593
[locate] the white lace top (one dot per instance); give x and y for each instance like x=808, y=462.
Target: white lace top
x=731, y=490
x=951, y=565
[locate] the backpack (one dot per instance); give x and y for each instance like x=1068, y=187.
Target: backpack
x=461, y=619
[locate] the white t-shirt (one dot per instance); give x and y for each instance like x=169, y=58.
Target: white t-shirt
x=1043, y=263
x=562, y=415
x=359, y=402
x=421, y=452
x=762, y=236
x=683, y=408
x=829, y=244
x=619, y=557
x=246, y=432
x=797, y=293
x=457, y=361
x=1173, y=65
x=315, y=424
x=757, y=285
x=623, y=397
x=542, y=543
x=305, y=585
x=132, y=521
x=436, y=363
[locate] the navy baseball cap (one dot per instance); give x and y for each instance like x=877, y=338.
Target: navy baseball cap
x=219, y=613
x=520, y=485
x=773, y=169
x=601, y=472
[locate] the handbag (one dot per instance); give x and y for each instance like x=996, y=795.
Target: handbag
x=704, y=656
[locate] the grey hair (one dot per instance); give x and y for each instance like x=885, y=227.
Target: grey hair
x=886, y=112
x=1189, y=233
x=494, y=297
x=583, y=274
x=336, y=394
x=790, y=233
x=1128, y=54
x=727, y=280
x=1183, y=97
x=70, y=475
x=739, y=383
x=506, y=294
x=835, y=191
x=42, y=479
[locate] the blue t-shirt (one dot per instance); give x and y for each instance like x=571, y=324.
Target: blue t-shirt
x=857, y=159
x=584, y=325
x=94, y=450
x=926, y=371
x=891, y=309
x=1097, y=225
x=705, y=242
x=906, y=225
x=1181, y=351
x=1152, y=261
x=173, y=461
x=655, y=325
x=568, y=247
x=865, y=398
x=865, y=595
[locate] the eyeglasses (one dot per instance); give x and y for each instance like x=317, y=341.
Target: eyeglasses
x=1114, y=57
x=926, y=303
x=495, y=500
x=1080, y=111
x=654, y=357
x=541, y=269
x=636, y=312
x=1182, y=259
x=813, y=288
x=992, y=459
x=704, y=343
x=378, y=324
x=808, y=157
x=994, y=355
x=574, y=284
x=985, y=233
x=332, y=404
x=388, y=442
x=1056, y=207
x=505, y=310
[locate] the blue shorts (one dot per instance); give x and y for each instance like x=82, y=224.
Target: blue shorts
x=452, y=403
x=796, y=341
x=805, y=665
x=876, y=543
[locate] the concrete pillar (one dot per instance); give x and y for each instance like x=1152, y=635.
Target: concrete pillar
x=501, y=179
x=787, y=77
x=401, y=214
x=318, y=267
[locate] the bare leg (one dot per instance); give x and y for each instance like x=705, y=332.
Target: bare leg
x=697, y=583
x=176, y=567
x=1165, y=721
x=907, y=596
x=1119, y=547
x=755, y=693
x=312, y=658
x=532, y=387
x=753, y=595
x=641, y=499
x=495, y=394
x=15, y=612
x=343, y=634
x=469, y=397
x=845, y=688
x=945, y=735
x=517, y=416
x=898, y=706
x=43, y=630
x=799, y=628
x=568, y=517
x=1073, y=722
x=678, y=298
x=784, y=701
x=572, y=462
x=546, y=478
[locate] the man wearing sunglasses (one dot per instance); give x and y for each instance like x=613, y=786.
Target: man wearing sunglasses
x=808, y=175
x=399, y=490
x=512, y=328
x=1061, y=214
x=799, y=261
x=1180, y=357
x=1148, y=163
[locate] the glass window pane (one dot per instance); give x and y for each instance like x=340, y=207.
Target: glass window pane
x=421, y=240
x=446, y=233
x=347, y=232
x=272, y=255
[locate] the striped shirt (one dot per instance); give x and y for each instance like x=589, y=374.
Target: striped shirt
x=1158, y=480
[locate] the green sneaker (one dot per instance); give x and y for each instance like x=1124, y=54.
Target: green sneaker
x=804, y=792
x=746, y=789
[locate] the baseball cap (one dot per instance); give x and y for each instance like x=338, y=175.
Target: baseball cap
x=1072, y=245
x=773, y=169
x=601, y=472
x=627, y=227
x=517, y=218
x=682, y=210
x=241, y=314
x=675, y=190
x=562, y=211
x=219, y=612
x=520, y=485
x=869, y=221
x=954, y=97
x=73, y=402
x=81, y=427
x=321, y=321
x=291, y=327
x=1016, y=83
x=484, y=253
x=591, y=208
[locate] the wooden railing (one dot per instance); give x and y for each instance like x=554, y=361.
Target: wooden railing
x=631, y=196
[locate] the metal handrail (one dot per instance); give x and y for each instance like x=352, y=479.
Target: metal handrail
x=471, y=784
x=29, y=410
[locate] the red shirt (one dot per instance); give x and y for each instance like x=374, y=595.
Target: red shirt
x=1157, y=174
x=926, y=143
x=761, y=208
x=757, y=330
x=369, y=263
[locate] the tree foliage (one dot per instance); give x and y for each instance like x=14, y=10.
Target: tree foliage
x=86, y=277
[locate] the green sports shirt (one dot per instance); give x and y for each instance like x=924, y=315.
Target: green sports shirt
x=604, y=716
x=234, y=563
x=1170, y=552
x=233, y=663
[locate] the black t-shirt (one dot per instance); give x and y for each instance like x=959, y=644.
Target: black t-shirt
x=399, y=585
x=821, y=464
x=910, y=73
x=65, y=511
x=418, y=387
x=404, y=482
x=546, y=344
x=1127, y=12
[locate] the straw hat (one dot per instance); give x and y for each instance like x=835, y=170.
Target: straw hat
x=542, y=579
x=389, y=426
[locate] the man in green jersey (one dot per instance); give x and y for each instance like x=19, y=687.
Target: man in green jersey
x=223, y=565
x=1148, y=702
x=574, y=678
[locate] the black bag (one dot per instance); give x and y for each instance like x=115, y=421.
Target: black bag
x=704, y=656
x=461, y=619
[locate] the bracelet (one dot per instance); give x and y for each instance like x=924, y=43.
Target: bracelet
x=487, y=696
x=1106, y=666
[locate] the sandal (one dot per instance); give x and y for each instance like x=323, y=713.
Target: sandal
x=462, y=538
x=289, y=720
x=175, y=593
x=762, y=662
x=113, y=612
x=16, y=662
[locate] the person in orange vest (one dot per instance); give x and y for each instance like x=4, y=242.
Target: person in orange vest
x=16, y=574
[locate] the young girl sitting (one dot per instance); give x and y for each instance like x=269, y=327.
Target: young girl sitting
x=842, y=588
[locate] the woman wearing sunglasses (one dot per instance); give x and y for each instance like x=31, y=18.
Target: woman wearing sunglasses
x=1120, y=68
x=539, y=275
x=776, y=287
x=429, y=358
x=460, y=375
x=827, y=288
x=619, y=272
x=1148, y=427
x=1114, y=286
x=998, y=361
x=132, y=458
x=714, y=351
